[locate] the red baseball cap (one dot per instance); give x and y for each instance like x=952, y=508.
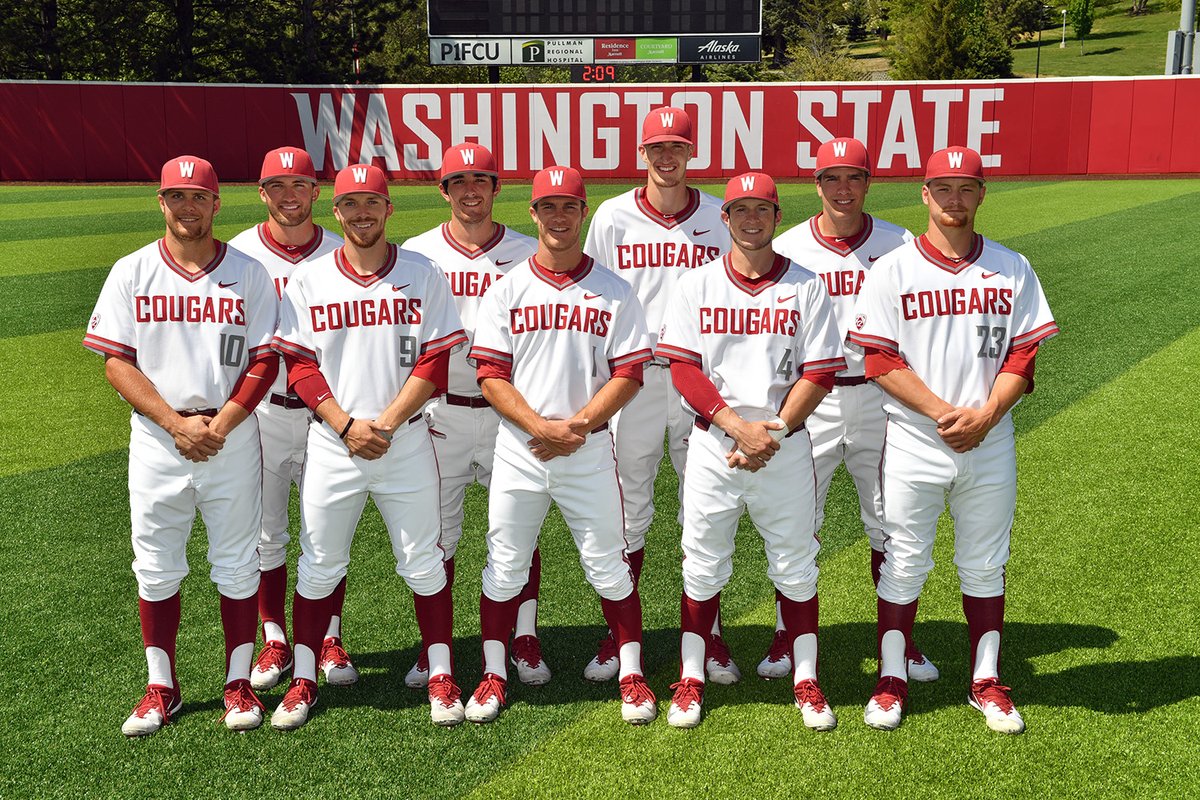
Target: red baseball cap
x=287, y=162
x=842, y=152
x=667, y=124
x=755, y=185
x=468, y=157
x=189, y=172
x=360, y=178
x=954, y=162
x=558, y=182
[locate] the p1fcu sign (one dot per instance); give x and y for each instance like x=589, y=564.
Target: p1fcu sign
x=87, y=131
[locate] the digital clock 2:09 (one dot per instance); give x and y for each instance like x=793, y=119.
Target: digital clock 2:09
x=594, y=73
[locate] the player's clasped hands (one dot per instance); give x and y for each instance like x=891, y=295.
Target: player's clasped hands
x=195, y=441
x=964, y=429
x=368, y=439
x=756, y=443
x=559, y=437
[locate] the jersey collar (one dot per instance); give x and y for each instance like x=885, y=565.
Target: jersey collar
x=181, y=271
x=344, y=267
x=497, y=236
x=561, y=280
x=846, y=246
x=666, y=220
x=293, y=255
x=756, y=286
x=942, y=261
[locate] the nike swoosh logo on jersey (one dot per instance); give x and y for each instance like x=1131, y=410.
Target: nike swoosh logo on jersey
x=323, y=397
x=987, y=275
x=587, y=296
x=226, y=285
x=700, y=233
x=784, y=299
x=398, y=288
x=502, y=263
x=872, y=259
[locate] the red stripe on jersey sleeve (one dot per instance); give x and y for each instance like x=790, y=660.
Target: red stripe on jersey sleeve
x=673, y=354
x=1036, y=335
x=291, y=349
x=262, y=350
x=1020, y=361
x=631, y=371
x=637, y=357
x=867, y=342
x=107, y=347
x=481, y=354
x=500, y=370
x=824, y=365
x=447, y=343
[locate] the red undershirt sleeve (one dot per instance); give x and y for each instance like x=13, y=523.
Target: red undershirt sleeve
x=306, y=380
x=1019, y=361
x=696, y=388
x=434, y=368
x=256, y=381
x=631, y=371
x=822, y=378
x=485, y=369
x=881, y=362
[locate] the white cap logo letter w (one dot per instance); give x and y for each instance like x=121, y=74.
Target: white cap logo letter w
x=187, y=168
x=468, y=157
x=667, y=120
x=360, y=174
x=287, y=159
x=955, y=160
x=747, y=183
x=556, y=177
x=839, y=149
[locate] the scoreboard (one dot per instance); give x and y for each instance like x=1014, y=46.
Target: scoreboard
x=570, y=32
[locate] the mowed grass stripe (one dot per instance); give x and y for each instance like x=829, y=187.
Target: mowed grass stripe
x=1093, y=646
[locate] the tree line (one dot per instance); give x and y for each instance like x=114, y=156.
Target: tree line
x=384, y=41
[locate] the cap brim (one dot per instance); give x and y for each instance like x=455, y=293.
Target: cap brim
x=337, y=197
x=208, y=189
x=450, y=175
x=308, y=178
x=979, y=178
x=558, y=194
x=859, y=167
x=667, y=137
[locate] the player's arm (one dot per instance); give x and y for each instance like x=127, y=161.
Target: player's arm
x=963, y=429
x=194, y=440
x=247, y=393
x=804, y=396
x=306, y=380
x=429, y=376
x=610, y=399
x=556, y=437
x=889, y=370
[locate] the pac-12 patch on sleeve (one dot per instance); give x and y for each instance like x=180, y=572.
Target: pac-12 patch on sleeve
x=860, y=321
x=95, y=322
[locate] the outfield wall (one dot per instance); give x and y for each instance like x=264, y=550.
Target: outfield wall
x=64, y=131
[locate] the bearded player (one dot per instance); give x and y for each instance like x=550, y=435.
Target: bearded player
x=651, y=236
x=841, y=244
x=367, y=333
x=287, y=184
x=184, y=325
x=559, y=346
x=950, y=325
x=753, y=344
x=474, y=252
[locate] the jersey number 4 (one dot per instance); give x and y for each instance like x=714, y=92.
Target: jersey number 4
x=991, y=343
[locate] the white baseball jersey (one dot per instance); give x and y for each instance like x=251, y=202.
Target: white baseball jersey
x=470, y=273
x=563, y=333
x=191, y=334
x=281, y=262
x=753, y=339
x=366, y=333
x=650, y=250
x=953, y=322
x=842, y=264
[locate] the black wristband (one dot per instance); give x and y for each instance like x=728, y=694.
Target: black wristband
x=346, y=429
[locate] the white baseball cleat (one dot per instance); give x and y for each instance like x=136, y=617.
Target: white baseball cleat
x=638, y=704
x=243, y=710
x=685, y=710
x=297, y=703
x=998, y=710
x=418, y=676
x=153, y=711
x=814, y=708
x=445, y=703
x=606, y=664
x=886, y=706
x=485, y=704
x=335, y=663
x=527, y=658
x=777, y=663
x=922, y=670
x=273, y=662
x=718, y=662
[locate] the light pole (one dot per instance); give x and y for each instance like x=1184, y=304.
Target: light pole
x=1063, y=43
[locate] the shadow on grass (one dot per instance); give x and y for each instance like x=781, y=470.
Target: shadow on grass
x=1103, y=52
x=847, y=671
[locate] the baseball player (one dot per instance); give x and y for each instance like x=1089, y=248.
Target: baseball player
x=184, y=325
x=651, y=236
x=753, y=344
x=841, y=244
x=474, y=252
x=366, y=333
x=950, y=325
x=559, y=347
x=287, y=184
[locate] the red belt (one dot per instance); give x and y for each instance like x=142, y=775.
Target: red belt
x=287, y=401
x=851, y=381
x=704, y=425
x=467, y=402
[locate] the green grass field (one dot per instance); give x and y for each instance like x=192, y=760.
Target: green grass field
x=1100, y=644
